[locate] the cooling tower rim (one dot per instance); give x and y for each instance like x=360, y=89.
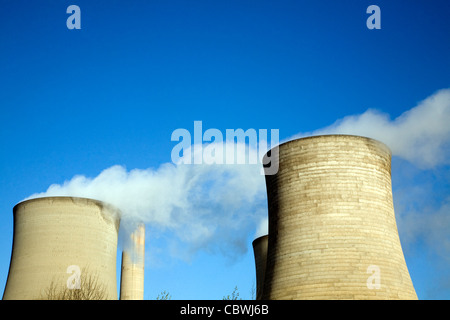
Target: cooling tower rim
x=324, y=136
x=259, y=239
x=67, y=198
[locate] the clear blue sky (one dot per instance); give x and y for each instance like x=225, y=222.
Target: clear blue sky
x=80, y=101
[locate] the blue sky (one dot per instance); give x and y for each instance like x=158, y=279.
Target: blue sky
x=76, y=102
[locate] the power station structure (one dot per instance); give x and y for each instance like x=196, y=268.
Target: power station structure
x=332, y=233
x=332, y=227
x=64, y=245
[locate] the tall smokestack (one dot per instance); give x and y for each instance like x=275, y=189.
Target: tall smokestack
x=132, y=276
x=332, y=227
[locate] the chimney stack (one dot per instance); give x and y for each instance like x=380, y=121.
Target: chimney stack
x=132, y=276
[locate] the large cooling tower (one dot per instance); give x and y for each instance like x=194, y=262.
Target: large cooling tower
x=332, y=228
x=132, y=276
x=60, y=244
x=260, y=252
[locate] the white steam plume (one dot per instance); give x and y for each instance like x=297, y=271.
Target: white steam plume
x=216, y=207
x=420, y=135
x=207, y=207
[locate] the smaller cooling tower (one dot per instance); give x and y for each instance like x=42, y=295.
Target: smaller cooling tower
x=260, y=252
x=132, y=276
x=62, y=243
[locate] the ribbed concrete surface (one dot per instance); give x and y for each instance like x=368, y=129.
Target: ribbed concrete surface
x=51, y=234
x=260, y=253
x=331, y=218
x=132, y=276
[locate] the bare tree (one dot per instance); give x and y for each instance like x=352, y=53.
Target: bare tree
x=164, y=296
x=234, y=295
x=253, y=291
x=90, y=288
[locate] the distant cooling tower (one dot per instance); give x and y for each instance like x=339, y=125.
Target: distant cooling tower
x=58, y=243
x=332, y=228
x=132, y=276
x=260, y=252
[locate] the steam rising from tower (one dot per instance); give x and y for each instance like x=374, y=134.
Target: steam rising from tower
x=231, y=199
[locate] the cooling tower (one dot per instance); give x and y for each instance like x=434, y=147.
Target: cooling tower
x=332, y=228
x=132, y=276
x=60, y=244
x=260, y=252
